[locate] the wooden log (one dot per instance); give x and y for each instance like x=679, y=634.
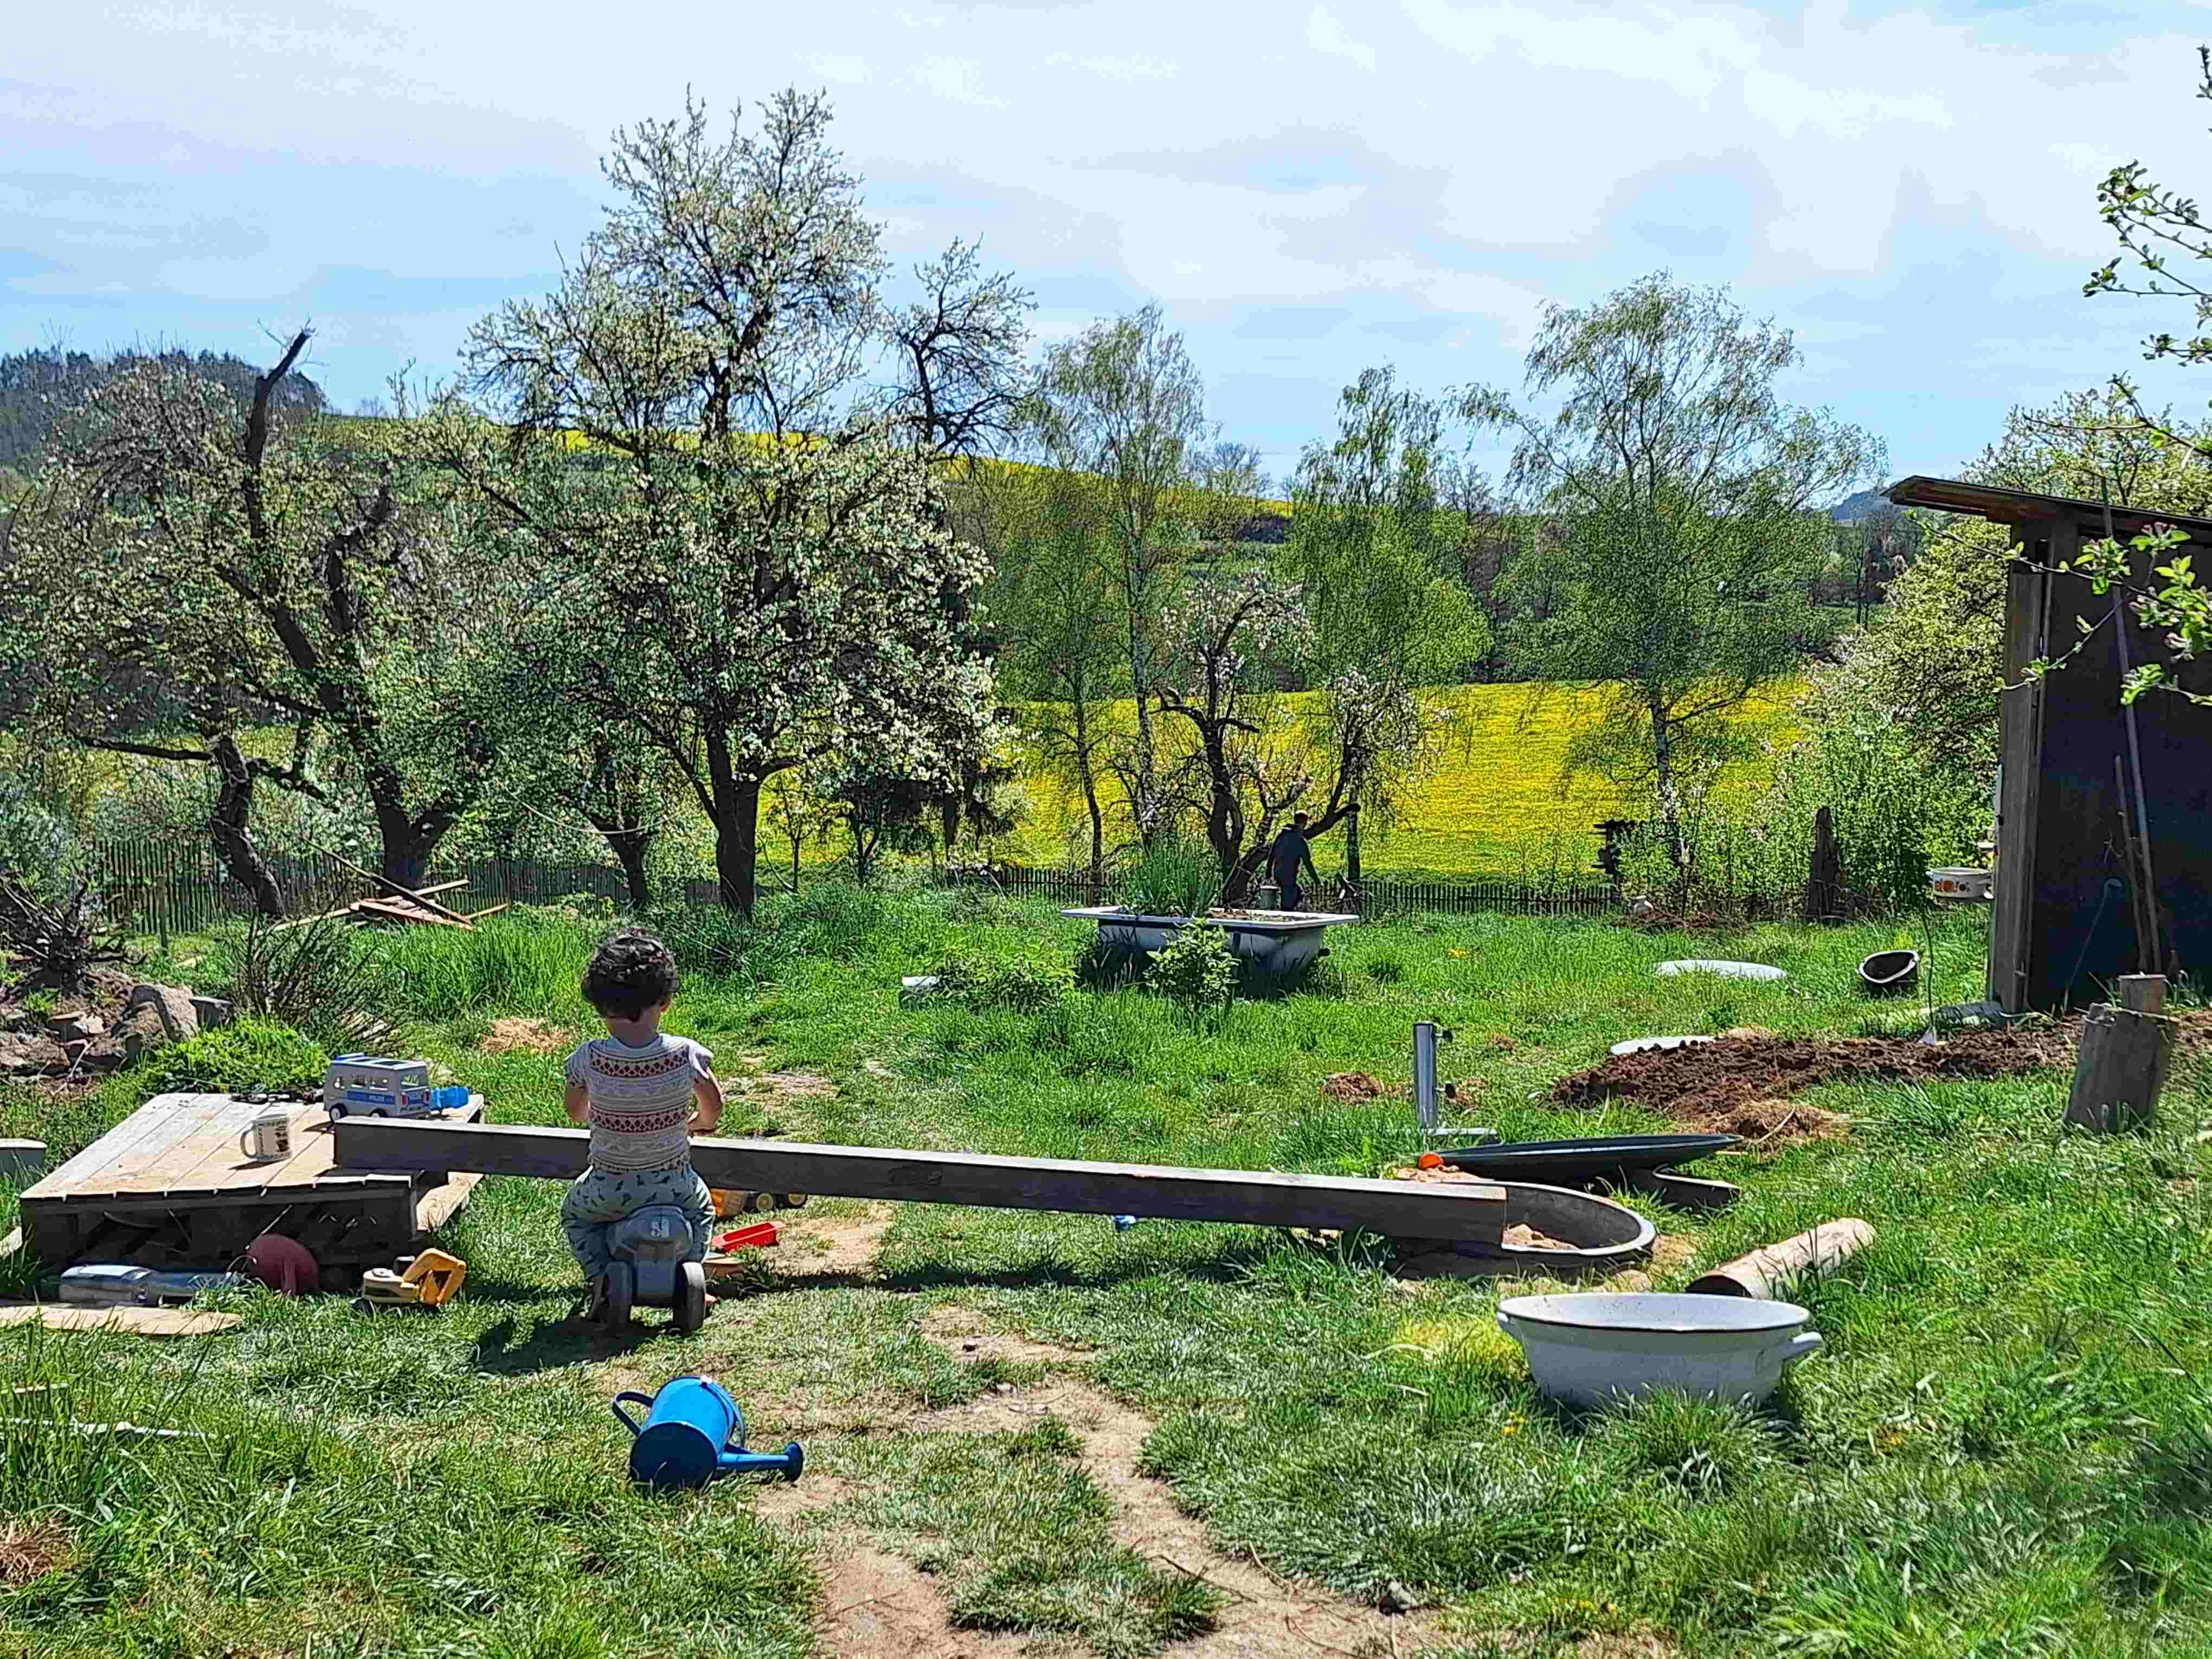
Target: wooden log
x=489, y=910
x=2119, y=1069
x=1461, y=1211
x=1766, y=1272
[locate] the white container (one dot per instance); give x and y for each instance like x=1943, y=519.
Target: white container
x=1758, y=970
x=1953, y=882
x=1595, y=1348
x=268, y=1137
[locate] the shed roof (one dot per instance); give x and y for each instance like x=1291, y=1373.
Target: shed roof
x=2024, y=506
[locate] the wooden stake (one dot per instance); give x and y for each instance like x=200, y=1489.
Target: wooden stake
x=2122, y=1063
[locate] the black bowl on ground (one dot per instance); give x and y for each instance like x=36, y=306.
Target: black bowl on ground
x=1886, y=973
x=1575, y=1163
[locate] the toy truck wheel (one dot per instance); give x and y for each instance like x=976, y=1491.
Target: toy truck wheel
x=622, y=1291
x=337, y=1110
x=692, y=1298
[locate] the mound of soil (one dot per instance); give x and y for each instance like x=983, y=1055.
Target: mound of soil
x=1742, y=1084
x=1350, y=1086
x=512, y=1035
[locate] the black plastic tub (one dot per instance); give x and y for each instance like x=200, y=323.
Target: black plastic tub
x=1577, y=1162
x=1889, y=973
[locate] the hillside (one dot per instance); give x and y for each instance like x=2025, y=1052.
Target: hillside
x=34, y=386
x=1494, y=807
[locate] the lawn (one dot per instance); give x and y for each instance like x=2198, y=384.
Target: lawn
x=1028, y=1428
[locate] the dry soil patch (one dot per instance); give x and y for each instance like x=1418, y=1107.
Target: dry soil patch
x=819, y=1245
x=877, y=1607
x=969, y=1334
x=513, y=1033
x=29, y=1551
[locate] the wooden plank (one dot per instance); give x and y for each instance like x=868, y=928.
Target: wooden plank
x=441, y=1204
x=2019, y=713
x=59, y=1182
x=132, y=1321
x=403, y=892
x=1468, y=1210
x=392, y=910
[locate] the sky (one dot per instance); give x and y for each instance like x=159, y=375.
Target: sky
x=1306, y=189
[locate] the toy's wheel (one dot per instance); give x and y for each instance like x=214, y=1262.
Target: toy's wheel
x=337, y=1110
x=692, y=1298
x=622, y=1291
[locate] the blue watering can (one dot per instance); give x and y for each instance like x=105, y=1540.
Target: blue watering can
x=693, y=1431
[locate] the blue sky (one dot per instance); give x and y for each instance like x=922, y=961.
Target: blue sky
x=1307, y=188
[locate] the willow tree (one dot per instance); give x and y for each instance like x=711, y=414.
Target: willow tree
x=1689, y=502
x=742, y=527
x=1123, y=403
x=1377, y=558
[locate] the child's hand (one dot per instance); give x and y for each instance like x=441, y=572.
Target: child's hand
x=708, y=1091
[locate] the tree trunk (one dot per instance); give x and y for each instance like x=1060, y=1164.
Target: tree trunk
x=1352, y=848
x=736, y=826
x=1670, y=807
x=1139, y=685
x=794, y=866
x=228, y=825
x=948, y=816
x=630, y=846
x=1098, y=837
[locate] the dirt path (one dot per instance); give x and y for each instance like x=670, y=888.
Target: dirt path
x=1265, y=1617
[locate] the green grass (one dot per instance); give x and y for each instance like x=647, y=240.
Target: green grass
x=2003, y=1447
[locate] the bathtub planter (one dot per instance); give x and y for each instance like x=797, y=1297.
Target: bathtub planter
x=1274, y=941
x=1600, y=1347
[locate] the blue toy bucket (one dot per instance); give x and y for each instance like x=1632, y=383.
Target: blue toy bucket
x=692, y=1432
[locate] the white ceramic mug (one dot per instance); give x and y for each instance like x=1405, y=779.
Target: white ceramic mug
x=268, y=1138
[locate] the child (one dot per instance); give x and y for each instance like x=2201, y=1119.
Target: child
x=644, y=1093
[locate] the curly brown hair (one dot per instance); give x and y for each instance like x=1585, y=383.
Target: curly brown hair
x=629, y=973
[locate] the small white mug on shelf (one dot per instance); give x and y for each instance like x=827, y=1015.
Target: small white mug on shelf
x=268, y=1138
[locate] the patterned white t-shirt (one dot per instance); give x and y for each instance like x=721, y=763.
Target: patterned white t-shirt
x=641, y=1099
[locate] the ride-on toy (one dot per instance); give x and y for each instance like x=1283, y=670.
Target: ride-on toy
x=649, y=1269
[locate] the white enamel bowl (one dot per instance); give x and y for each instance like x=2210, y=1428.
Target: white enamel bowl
x=1600, y=1347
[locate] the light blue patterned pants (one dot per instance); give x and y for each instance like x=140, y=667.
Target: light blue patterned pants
x=597, y=1198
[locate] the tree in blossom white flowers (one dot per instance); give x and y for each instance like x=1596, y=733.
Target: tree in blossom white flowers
x=745, y=534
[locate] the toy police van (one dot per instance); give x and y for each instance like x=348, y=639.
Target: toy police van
x=376, y=1086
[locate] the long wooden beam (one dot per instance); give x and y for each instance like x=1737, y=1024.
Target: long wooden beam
x=1461, y=1211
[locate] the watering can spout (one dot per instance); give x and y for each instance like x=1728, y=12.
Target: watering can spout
x=787, y=1462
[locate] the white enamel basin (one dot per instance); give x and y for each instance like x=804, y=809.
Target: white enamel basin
x=1599, y=1347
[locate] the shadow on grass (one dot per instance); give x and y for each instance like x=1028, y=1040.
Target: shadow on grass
x=551, y=1343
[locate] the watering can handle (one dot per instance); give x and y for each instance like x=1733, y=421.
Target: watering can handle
x=622, y=1416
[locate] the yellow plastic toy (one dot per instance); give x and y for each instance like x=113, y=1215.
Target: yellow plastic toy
x=428, y=1280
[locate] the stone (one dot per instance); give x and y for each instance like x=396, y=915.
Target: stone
x=23, y=1054
x=917, y=988
x=75, y=1028
x=213, y=1012
x=21, y=1160
x=141, y=1030
x=170, y=1004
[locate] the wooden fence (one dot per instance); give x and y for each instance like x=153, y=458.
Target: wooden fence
x=1377, y=896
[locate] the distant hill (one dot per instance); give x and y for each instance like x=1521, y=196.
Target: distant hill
x=36, y=386
x=1852, y=508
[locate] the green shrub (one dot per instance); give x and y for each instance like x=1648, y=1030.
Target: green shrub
x=237, y=1059
x=1170, y=877
x=320, y=977
x=1024, y=987
x=1196, y=970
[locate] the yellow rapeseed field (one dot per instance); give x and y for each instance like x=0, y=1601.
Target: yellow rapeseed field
x=1495, y=805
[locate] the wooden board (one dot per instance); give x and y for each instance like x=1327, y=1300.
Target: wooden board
x=132, y=1321
x=1471, y=1210
x=186, y=1145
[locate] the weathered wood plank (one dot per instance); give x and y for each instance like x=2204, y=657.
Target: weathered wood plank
x=147, y=1120
x=135, y=1322
x=1467, y=1211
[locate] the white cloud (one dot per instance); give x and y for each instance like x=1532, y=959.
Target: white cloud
x=1325, y=34
x=1901, y=183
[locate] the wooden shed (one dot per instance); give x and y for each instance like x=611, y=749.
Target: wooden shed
x=2064, y=925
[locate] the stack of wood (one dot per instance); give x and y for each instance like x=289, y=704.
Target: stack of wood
x=413, y=905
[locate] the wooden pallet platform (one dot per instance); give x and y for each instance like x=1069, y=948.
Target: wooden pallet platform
x=167, y=1187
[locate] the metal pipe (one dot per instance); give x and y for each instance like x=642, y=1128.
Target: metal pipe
x=1425, y=1072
